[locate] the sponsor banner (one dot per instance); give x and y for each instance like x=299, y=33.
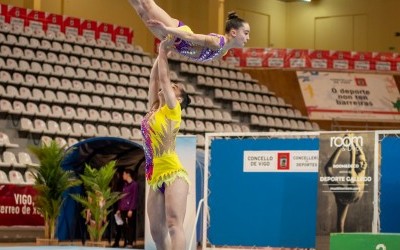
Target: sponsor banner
x=16, y=16
x=333, y=95
x=397, y=62
x=384, y=61
x=314, y=59
x=345, y=183
x=275, y=58
x=234, y=56
x=71, y=26
x=89, y=29
x=319, y=59
x=3, y=13
x=17, y=206
x=54, y=22
x=105, y=31
x=123, y=35
x=362, y=61
x=296, y=58
x=253, y=57
x=340, y=60
x=36, y=20
x=280, y=161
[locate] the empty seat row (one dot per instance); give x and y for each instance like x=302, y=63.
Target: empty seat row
x=234, y=95
x=60, y=82
x=214, y=63
x=263, y=121
x=110, y=127
x=202, y=101
x=76, y=129
x=77, y=88
x=5, y=141
x=99, y=72
x=190, y=89
x=232, y=84
x=271, y=122
x=208, y=126
x=69, y=113
x=16, y=177
x=95, y=115
x=61, y=141
x=214, y=71
x=83, y=100
x=21, y=160
x=134, y=64
x=46, y=69
x=15, y=31
x=252, y=108
x=207, y=114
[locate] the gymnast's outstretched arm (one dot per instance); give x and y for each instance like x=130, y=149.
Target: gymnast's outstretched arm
x=154, y=86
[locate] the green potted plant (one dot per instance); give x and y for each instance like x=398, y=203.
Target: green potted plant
x=51, y=181
x=98, y=200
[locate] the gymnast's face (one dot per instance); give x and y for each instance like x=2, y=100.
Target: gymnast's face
x=241, y=35
x=177, y=88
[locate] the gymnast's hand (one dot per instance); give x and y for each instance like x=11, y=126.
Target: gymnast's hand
x=157, y=25
x=166, y=45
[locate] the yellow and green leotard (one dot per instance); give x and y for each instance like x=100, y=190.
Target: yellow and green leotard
x=159, y=130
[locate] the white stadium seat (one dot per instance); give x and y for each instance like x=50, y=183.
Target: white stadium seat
x=3, y=177
x=25, y=159
x=16, y=177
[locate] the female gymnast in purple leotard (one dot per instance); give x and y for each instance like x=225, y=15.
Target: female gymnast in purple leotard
x=198, y=47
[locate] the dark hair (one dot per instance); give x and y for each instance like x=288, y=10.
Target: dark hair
x=129, y=171
x=185, y=99
x=233, y=22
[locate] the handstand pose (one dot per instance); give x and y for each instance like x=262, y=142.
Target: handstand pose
x=354, y=183
x=198, y=47
x=167, y=178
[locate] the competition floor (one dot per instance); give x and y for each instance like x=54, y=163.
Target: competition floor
x=62, y=246
x=17, y=246
x=54, y=248
x=32, y=246
x=77, y=245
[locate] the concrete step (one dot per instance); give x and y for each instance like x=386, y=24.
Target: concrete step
x=20, y=233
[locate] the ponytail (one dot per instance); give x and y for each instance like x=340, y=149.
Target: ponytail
x=233, y=22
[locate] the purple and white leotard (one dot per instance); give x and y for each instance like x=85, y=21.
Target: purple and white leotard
x=196, y=52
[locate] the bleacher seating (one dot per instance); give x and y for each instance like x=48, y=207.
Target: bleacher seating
x=15, y=177
x=70, y=88
x=29, y=177
x=5, y=141
x=3, y=177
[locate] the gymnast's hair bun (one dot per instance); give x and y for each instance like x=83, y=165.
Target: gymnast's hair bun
x=232, y=15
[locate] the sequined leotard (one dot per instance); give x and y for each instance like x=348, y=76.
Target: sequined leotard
x=191, y=50
x=159, y=131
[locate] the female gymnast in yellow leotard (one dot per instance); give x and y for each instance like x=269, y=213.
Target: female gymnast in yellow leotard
x=168, y=179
